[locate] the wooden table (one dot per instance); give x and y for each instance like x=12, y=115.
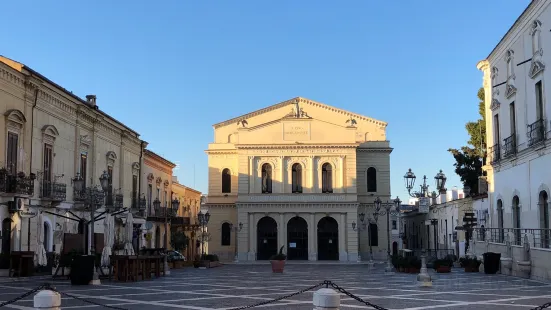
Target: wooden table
x=133, y=267
x=21, y=263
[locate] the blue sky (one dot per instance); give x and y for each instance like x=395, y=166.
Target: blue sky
x=170, y=69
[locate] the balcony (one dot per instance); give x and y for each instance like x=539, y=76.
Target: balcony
x=159, y=214
x=53, y=190
x=536, y=132
x=494, y=154
x=182, y=221
x=19, y=184
x=509, y=146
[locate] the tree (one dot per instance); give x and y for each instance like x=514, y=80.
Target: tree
x=470, y=159
x=178, y=240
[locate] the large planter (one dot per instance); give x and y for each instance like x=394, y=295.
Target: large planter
x=443, y=269
x=82, y=269
x=277, y=266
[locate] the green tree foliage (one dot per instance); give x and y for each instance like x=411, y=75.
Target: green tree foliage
x=178, y=240
x=469, y=159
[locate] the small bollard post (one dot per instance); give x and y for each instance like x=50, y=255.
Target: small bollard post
x=47, y=300
x=326, y=299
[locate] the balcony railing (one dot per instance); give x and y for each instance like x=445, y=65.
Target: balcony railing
x=538, y=238
x=53, y=190
x=536, y=132
x=19, y=184
x=494, y=154
x=118, y=201
x=509, y=146
x=163, y=212
x=180, y=220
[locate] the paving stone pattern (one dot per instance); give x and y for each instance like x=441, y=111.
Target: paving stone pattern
x=240, y=285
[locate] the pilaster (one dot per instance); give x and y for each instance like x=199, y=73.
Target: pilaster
x=343, y=256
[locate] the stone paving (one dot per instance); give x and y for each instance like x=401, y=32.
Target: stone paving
x=240, y=285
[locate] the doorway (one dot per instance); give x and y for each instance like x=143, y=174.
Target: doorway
x=297, y=239
x=266, y=242
x=328, y=239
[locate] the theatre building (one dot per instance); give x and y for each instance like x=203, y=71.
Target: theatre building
x=296, y=175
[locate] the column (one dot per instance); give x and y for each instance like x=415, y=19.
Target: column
x=312, y=238
x=251, y=237
x=282, y=174
x=341, y=174
x=251, y=174
x=121, y=168
x=280, y=232
x=311, y=175
x=343, y=256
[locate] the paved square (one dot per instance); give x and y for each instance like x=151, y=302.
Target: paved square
x=240, y=285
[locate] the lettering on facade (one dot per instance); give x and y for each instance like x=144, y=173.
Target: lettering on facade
x=294, y=198
x=296, y=131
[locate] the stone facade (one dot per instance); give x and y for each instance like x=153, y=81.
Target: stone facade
x=190, y=200
x=295, y=175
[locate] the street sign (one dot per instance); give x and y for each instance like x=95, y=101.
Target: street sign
x=148, y=225
x=424, y=203
x=28, y=212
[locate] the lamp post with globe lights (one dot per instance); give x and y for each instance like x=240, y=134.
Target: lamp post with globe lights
x=388, y=209
x=237, y=230
x=424, y=202
x=361, y=226
x=203, y=220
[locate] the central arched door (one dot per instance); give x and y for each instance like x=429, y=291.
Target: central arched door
x=297, y=239
x=266, y=236
x=328, y=239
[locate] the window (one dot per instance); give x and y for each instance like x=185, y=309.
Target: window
x=13, y=142
x=135, y=191
x=371, y=180
x=226, y=234
x=373, y=235
x=513, y=118
x=539, y=101
x=165, y=199
x=296, y=178
x=226, y=181
x=47, y=178
x=327, y=178
x=496, y=129
x=83, y=167
x=516, y=219
x=149, y=195
x=266, y=179
x=110, y=186
x=394, y=225
x=544, y=218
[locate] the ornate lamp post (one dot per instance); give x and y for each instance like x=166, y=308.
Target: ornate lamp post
x=93, y=197
x=203, y=219
x=390, y=208
x=361, y=227
x=237, y=229
x=440, y=179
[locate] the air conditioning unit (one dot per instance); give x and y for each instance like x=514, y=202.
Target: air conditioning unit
x=17, y=205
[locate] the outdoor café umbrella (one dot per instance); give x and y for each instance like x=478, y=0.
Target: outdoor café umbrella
x=129, y=234
x=41, y=259
x=107, y=237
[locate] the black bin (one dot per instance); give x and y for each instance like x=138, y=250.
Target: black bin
x=491, y=262
x=82, y=269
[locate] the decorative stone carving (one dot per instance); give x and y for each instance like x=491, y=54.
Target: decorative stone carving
x=111, y=157
x=15, y=120
x=135, y=168
x=85, y=140
x=150, y=178
x=535, y=68
x=242, y=123
x=292, y=198
x=303, y=161
x=166, y=183
x=510, y=90
x=537, y=64
x=159, y=181
x=270, y=160
x=494, y=73
x=49, y=134
x=334, y=161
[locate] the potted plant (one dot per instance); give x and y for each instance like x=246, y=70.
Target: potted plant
x=470, y=264
x=278, y=261
x=443, y=265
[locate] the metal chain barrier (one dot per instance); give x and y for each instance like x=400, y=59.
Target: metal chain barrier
x=342, y=290
x=544, y=306
x=279, y=298
x=87, y=301
x=27, y=294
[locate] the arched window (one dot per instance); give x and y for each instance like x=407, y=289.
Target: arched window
x=373, y=235
x=371, y=180
x=516, y=220
x=226, y=234
x=326, y=178
x=266, y=178
x=46, y=236
x=297, y=178
x=226, y=181
x=500, y=220
x=544, y=218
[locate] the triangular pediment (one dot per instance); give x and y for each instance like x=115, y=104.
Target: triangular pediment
x=510, y=90
x=495, y=104
x=535, y=68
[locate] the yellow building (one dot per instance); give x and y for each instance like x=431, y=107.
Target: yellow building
x=189, y=199
x=296, y=174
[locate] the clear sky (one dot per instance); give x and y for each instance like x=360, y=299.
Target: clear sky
x=170, y=69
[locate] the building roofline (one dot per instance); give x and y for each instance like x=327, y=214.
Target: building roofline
x=158, y=157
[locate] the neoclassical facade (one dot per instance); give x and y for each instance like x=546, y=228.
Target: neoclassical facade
x=296, y=175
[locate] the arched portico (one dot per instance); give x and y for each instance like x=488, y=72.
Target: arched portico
x=266, y=241
x=297, y=239
x=328, y=239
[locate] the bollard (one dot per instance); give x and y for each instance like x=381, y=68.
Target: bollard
x=326, y=299
x=47, y=300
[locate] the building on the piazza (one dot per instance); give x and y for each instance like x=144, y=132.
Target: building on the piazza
x=186, y=217
x=48, y=136
x=518, y=118
x=296, y=175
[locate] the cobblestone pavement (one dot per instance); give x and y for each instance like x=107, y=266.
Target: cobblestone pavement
x=239, y=285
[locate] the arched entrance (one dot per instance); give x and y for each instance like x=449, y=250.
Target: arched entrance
x=328, y=239
x=266, y=238
x=6, y=236
x=394, y=248
x=297, y=239
x=46, y=236
x=157, y=237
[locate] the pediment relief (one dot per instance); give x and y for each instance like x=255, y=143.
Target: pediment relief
x=535, y=68
x=111, y=158
x=334, y=161
x=15, y=117
x=135, y=166
x=150, y=178
x=85, y=140
x=166, y=183
x=495, y=104
x=159, y=181
x=303, y=161
x=510, y=90
x=50, y=130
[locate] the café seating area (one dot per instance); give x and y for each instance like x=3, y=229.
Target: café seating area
x=130, y=268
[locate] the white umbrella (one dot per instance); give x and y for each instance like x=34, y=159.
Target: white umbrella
x=129, y=232
x=40, y=255
x=107, y=236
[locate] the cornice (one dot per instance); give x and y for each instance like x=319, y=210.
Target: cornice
x=158, y=166
x=232, y=152
x=296, y=146
x=154, y=157
x=293, y=207
x=292, y=101
x=376, y=150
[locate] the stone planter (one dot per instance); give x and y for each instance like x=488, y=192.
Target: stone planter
x=277, y=266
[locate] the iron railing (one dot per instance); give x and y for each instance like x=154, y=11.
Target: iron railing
x=19, y=184
x=536, y=132
x=538, y=237
x=509, y=146
x=494, y=153
x=53, y=190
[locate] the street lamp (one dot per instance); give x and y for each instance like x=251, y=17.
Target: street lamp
x=361, y=227
x=440, y=180
x=93, y=197
x=203, y=219
x=390, y=208
x=237, y=229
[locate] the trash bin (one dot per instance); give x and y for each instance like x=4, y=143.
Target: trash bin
x=491, y=262
x=82, y=269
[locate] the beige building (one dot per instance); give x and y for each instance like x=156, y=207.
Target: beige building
x=296, y=174
x=189, y=199
x=48, y=136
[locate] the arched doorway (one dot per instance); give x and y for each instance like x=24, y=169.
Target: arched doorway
x=6, y=236
x=158, y=237
x=328, y=239
x=46, y=236
x=394, y=248
x=266, y=238
x=544, y=218
x=297, y=239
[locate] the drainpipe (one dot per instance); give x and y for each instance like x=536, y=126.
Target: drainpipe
x=140, y=188
x=31, y=163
